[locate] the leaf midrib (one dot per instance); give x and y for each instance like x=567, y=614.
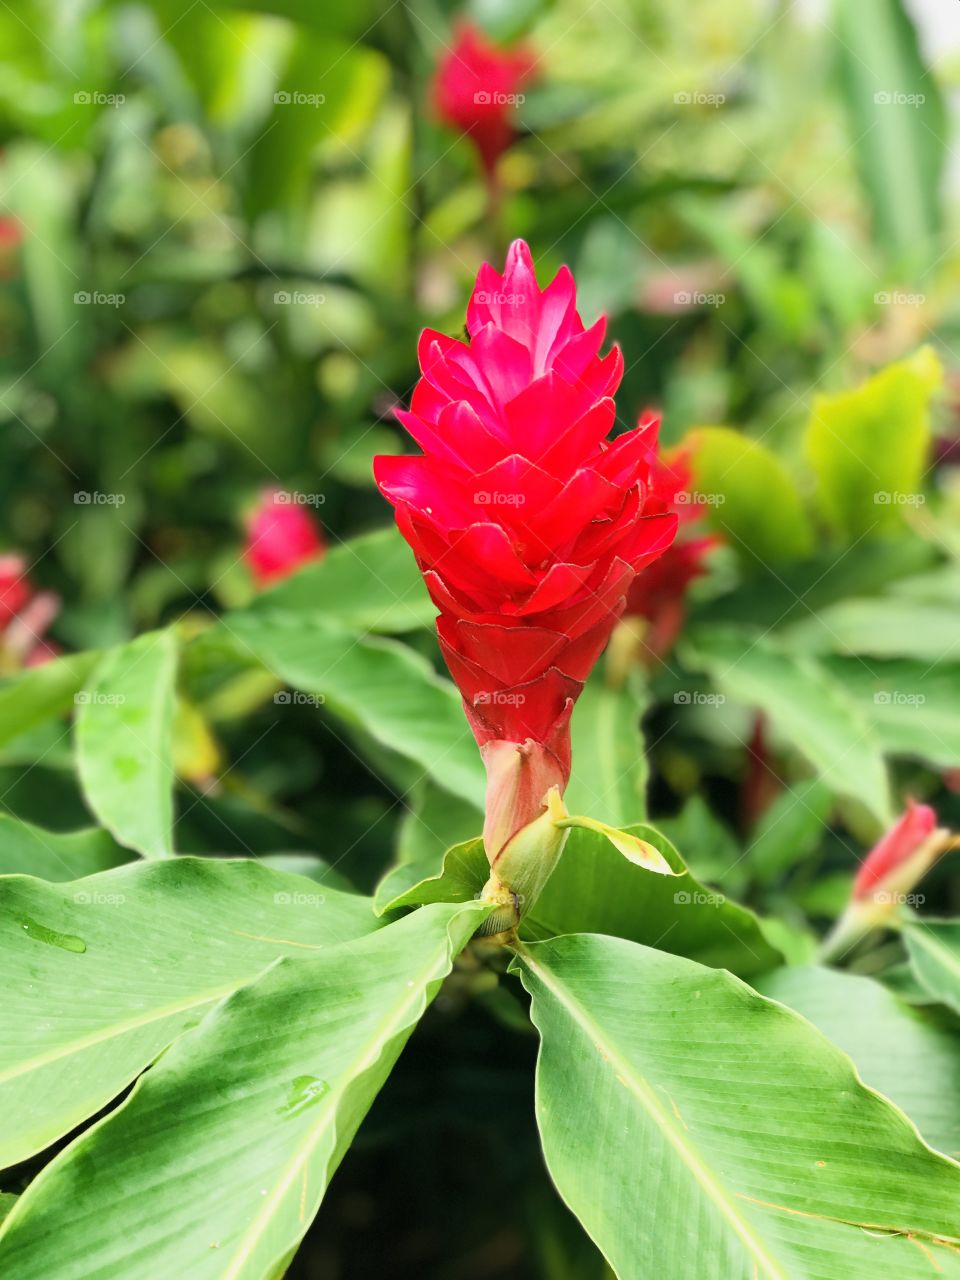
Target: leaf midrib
x=612, y=1057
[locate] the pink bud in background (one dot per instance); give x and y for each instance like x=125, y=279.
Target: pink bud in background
x=282, y=536
x=25, y=615
x=901, y=856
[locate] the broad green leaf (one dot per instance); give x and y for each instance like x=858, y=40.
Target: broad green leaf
x=381, y=686
x=869, y=446
x=267, y=1091
x=933, y=947
x=806, y=706
x=104, y=972
x=370, y=583
x=900, y=1051
x=56, y=855
x=887, y=628
x=596, y=889
x=751, y=496
x=609, y=766
x=124, y=742
x=39, y=693
x=697, y=1129
x=914, y=707
x=897, y=125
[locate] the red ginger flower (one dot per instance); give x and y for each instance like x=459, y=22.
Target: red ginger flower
x=475, y=90
x=281, y=538
x=25, y=615
x=658, y=594
x=528, y=524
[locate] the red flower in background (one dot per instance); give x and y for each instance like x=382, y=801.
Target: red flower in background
x=281, y=538
x=898, y=860
x=529, y=525
x=658, y=594
x=475, y=90
x=25, y=615
x=10, y=237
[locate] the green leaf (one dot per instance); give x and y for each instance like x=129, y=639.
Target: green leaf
x=104, y=972
x=752, y=497
x=682, y=1113
x=370, y=583
x=267, y=1091
x=39, y=693
x=461, y=877
x=124, y=742
x=933, y=947
x=609, y=775
x=56, y=855
x=434, y=822
x=596, y=889
x=381, y=686
x=914, y=707
x=885, y=628
x=805, y=705
x=897, y=125
x=869, y=447
x=899, y=1051
x=789, y=831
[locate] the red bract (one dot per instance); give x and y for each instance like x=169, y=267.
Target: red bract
x=528, y=524
x=475, y=90
x=659, y=593
x=281, y=537
x=25, y=614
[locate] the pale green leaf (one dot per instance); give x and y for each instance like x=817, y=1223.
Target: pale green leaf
x=609, y=774
x=124, y=742
x=902, y=1052
x=933, y=947
x=806, y=706
x=56, y=855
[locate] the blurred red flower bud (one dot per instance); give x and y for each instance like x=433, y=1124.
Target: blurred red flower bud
x=476, y=90
x=281, y=537
x=25, y=615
